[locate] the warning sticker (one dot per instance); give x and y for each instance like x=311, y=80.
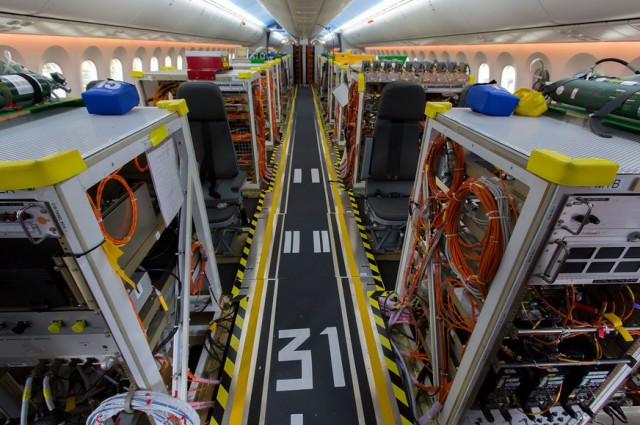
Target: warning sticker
x=20, y=83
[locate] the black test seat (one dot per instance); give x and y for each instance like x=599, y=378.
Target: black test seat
x=219, y=171
x=393, y=162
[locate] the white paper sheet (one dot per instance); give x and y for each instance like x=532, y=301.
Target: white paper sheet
x=163, y=163
x=342, y=94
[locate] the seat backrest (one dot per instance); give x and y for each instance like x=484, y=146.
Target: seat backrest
x=210, y=131
x=395, y=150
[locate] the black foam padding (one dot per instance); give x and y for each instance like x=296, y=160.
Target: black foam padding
x=210, y=131
x=402, y=101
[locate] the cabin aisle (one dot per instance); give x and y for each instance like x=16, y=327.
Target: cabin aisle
x=310, y=359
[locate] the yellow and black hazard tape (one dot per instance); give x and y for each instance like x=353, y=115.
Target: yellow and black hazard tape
x=222, y=394
x=399, y=392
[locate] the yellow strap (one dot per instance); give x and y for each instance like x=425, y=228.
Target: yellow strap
x=46, y=392
x=163, y=303
x=158, y=135
x=113, y=253
x=45, y=171
x=71, y=404
x=174, y=105
x=617, y=324
x=361, y=84
x=26, y=394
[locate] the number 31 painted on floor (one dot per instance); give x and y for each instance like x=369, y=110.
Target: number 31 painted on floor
x=290, y=353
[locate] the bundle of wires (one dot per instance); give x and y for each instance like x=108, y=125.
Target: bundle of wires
x=440, y=148
x=347, y=165
x=161, y=407
x=459, y=253
x=263, y=168
x=96, y=206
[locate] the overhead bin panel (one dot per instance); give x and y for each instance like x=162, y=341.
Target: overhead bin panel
x=437, y=19
x=112, y=12
x=24, y=7
x=477, y=20
x=491, y=15
x=185, y=17
x=165, y=14
x=576, y=11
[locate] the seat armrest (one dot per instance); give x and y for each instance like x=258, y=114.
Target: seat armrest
x=366, y=158
x=238, y=181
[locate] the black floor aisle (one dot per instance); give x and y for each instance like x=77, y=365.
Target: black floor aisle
x=310, y=367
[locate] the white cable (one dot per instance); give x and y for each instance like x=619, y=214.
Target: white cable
x=162, y=407
x=26, y=397
x=46, y=391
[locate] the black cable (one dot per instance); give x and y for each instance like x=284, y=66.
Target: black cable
x=177, y=313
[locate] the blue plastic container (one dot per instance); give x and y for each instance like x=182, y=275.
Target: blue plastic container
x=111, y=97
x=491, y=100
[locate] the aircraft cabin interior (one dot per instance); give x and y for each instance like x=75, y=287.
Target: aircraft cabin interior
x=336, y=212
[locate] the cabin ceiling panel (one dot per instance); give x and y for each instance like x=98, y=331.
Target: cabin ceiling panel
x=304, y=18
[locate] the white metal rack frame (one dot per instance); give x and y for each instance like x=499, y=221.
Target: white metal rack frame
x=104, y=144
x=551, y=217
x=230, y=82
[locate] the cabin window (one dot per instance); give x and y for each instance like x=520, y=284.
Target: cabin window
x=508, y=80
x=483, y=73
x=47, y=69
x=137, y=64
x=116, y=70
x=154, y=64
x=179, y=62
x=167, y=61
x=89, y=72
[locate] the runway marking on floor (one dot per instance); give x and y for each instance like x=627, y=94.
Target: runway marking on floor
x=296, y=419
x=297, y=175
x=291, y=242
x=321, y=241
x=315, y=175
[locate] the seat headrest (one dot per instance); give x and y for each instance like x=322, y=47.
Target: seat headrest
x=204, y=100
x=402, y=101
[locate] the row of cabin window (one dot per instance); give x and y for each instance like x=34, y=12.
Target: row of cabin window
x=89, y=71
x=507, y=80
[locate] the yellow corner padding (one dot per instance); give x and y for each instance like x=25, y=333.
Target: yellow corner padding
x=433, y=108
x=174, y=105
x=157, y=135
x=45, y=171
x=245, y=74
x=137, y=74
x=564, y=170
x=265, y=65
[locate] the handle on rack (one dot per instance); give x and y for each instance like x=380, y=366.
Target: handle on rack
x=584, y=221
x=560, y=255
x=26, y=229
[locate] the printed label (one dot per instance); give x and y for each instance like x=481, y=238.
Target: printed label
x=20, y=83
